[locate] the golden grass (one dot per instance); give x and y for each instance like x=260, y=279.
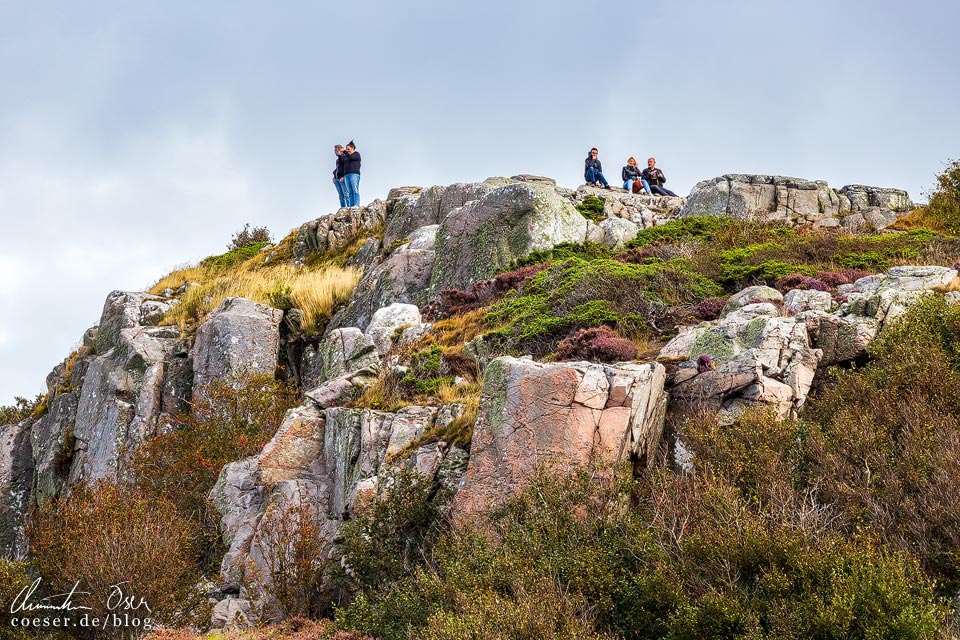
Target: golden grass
x=919, y=218
x=458, y=329
x=179, y=277
x=315, y=292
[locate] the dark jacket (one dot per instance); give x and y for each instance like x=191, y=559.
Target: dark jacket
x=351, y=162
x=591, y=162
x=629, y=173
x=338, y=170
x=654, y=177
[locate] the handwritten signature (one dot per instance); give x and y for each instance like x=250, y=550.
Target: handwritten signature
x=117, y=599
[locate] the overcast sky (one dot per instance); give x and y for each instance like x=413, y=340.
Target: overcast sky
x=137, y=136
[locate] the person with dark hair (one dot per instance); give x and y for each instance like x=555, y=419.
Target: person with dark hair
x=338, y=174
x=351, y=174
x=655, y=179
x=593, y=170
x=630, y=175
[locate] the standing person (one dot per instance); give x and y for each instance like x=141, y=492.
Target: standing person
x=338, y=174
x=655, y=179
x=593, y=170
x=351, y=174
x=630, y=174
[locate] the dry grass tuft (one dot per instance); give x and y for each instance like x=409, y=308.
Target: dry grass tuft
x=316, y=293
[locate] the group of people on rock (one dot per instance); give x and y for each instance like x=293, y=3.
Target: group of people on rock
x=346, y=176
x=649, y=181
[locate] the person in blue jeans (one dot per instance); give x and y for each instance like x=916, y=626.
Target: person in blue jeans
x=351, y=174
x=593, y=170
x=631, y=173
x=338, y=175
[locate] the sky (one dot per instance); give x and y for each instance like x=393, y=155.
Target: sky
x=137, y=137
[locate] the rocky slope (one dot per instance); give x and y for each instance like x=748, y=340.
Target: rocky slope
x=134, y=373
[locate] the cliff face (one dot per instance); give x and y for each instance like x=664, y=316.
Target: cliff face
x=135, y=372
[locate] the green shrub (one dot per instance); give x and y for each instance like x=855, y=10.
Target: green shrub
x=423, y=375
x=577, y=293
x=592, y=209
x=944, y=203
x=235, y=256
x=563, y=251
x=684, y=229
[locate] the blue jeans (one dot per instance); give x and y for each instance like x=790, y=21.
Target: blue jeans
x=592, y=175
x=351, y=184
x=341, y=191
x=628, y=185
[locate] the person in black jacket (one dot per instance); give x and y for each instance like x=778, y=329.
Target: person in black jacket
x=351, y=174
x=630, y=174
x=655, y=178
x=593, y=170
x=338, y=175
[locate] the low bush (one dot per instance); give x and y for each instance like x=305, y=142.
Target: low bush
x=576, y=294
x=109, y=535
x=248, y=236
x=800, y=281
x=598, y=344
x=592, y=209
x=231, y=420
x=708, y=309
x=21, y=409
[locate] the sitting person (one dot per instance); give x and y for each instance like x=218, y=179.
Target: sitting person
x=630, y=175
x=593, y=170
x=653, y=179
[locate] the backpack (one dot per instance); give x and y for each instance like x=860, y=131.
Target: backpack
x=637, y=186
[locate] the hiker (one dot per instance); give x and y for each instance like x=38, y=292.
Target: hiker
x=338, y=174
x=630, y=175
x=351, y=174
x=593, y=170
x=653, y=179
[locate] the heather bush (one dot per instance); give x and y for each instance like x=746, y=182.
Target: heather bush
x=836, y=278
x=708, y=309
x=109, y=535
x=600, y=344
x=800, y=281
x=390, y=538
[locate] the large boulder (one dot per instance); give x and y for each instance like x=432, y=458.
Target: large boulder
x=341, y=352
x=750, y=356
x=16, y=478
x=796, y=200
x=238, y=337
x=430, y=206
x=485, y=236
x=388, y=321
x=564, y=416
x=404, y=276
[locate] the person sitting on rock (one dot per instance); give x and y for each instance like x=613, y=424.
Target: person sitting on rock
x=593, y=170
x=630, y=175
x=653, y=179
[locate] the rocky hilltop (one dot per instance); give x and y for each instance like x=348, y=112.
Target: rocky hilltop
x=473, y=305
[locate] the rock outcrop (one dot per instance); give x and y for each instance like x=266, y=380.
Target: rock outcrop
x=238, y=337
x=796, y=201
x=337, y=230
x=562, y=416
x=485, y=236
x=121, y=398
x=324, y=463
x=16, y=473
x=752, y=355
x=870, y=304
